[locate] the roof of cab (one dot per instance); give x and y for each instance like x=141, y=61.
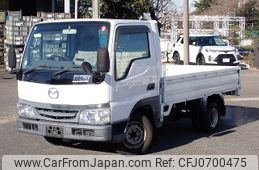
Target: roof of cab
x=201, y=35
x=112, y=21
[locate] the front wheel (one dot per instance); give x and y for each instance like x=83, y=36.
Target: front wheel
x=139, y=134
x=200, y=60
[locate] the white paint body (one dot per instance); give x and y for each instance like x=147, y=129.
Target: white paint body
x=172, y=84
x=210, y=53
x=68, y=94
x=185, y=83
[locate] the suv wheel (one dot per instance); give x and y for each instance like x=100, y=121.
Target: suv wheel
x=176, y=58
x=200, y=60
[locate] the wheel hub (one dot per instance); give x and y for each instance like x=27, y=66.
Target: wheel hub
x=214, y=118
x=134, y=135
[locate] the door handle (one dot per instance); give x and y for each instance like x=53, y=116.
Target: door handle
x=151, y=86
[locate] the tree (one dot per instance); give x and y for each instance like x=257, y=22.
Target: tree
x=59, y=5
x=248, y=9
x=202, y=5
x=251, y=13
x=160, y=10
x=84, y=7
x=124, y=9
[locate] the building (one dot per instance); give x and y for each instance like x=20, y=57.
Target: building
x=30, y=7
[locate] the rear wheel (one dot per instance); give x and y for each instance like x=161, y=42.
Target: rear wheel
x=200, y=60
x=211, y=118
x=207, y=120
x=139, y=134
x=176, y=58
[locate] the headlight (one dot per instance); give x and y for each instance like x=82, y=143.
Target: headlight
x=95, y=116
x=26, y=111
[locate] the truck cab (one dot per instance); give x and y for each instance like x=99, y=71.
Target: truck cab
x=82, y=79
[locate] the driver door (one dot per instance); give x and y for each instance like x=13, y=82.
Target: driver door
x=136, y=73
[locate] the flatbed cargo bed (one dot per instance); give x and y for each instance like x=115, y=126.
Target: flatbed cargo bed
x=186, y=82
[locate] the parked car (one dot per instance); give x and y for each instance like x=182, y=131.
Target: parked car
x=206, y=49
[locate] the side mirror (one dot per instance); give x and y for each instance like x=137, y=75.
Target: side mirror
x=103, y=60
x=11, y=58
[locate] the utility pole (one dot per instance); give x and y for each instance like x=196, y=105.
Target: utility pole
x=186, y=31
x=76, y=9
x=96, y=8
x=67, y=6
x=53, y=6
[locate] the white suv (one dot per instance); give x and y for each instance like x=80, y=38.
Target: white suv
x=206, y=49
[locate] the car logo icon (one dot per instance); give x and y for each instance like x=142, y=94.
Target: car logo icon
x=53, y=93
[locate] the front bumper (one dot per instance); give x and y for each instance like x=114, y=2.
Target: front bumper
x=221, y=58
x=67, y=130
x=235, y=63
x=226, y=59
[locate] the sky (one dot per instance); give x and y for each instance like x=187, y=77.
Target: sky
x=179, y=3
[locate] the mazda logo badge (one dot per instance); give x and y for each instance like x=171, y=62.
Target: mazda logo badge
x=53, y=93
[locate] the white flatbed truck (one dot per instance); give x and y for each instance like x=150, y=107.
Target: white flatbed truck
x=102, y=80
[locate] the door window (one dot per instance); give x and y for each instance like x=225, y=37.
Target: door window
x=131, y=44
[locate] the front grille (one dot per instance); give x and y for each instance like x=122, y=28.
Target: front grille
x=220, y=59
x=57, y=114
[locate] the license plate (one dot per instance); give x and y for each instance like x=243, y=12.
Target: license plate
x=226, y=60
x=55, y=131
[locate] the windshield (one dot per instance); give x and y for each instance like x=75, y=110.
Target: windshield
x=61, y=45
x=211, y=41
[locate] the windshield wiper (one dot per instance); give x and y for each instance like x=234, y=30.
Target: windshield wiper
x=34, y=68
x=65, y=70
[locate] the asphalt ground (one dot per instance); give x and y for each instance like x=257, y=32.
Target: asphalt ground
x=238, y=132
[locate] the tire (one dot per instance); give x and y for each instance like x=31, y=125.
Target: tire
x=54, y=141
x=139, y=135
x=211, y=118
x=176, y=58
x=200, y=60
